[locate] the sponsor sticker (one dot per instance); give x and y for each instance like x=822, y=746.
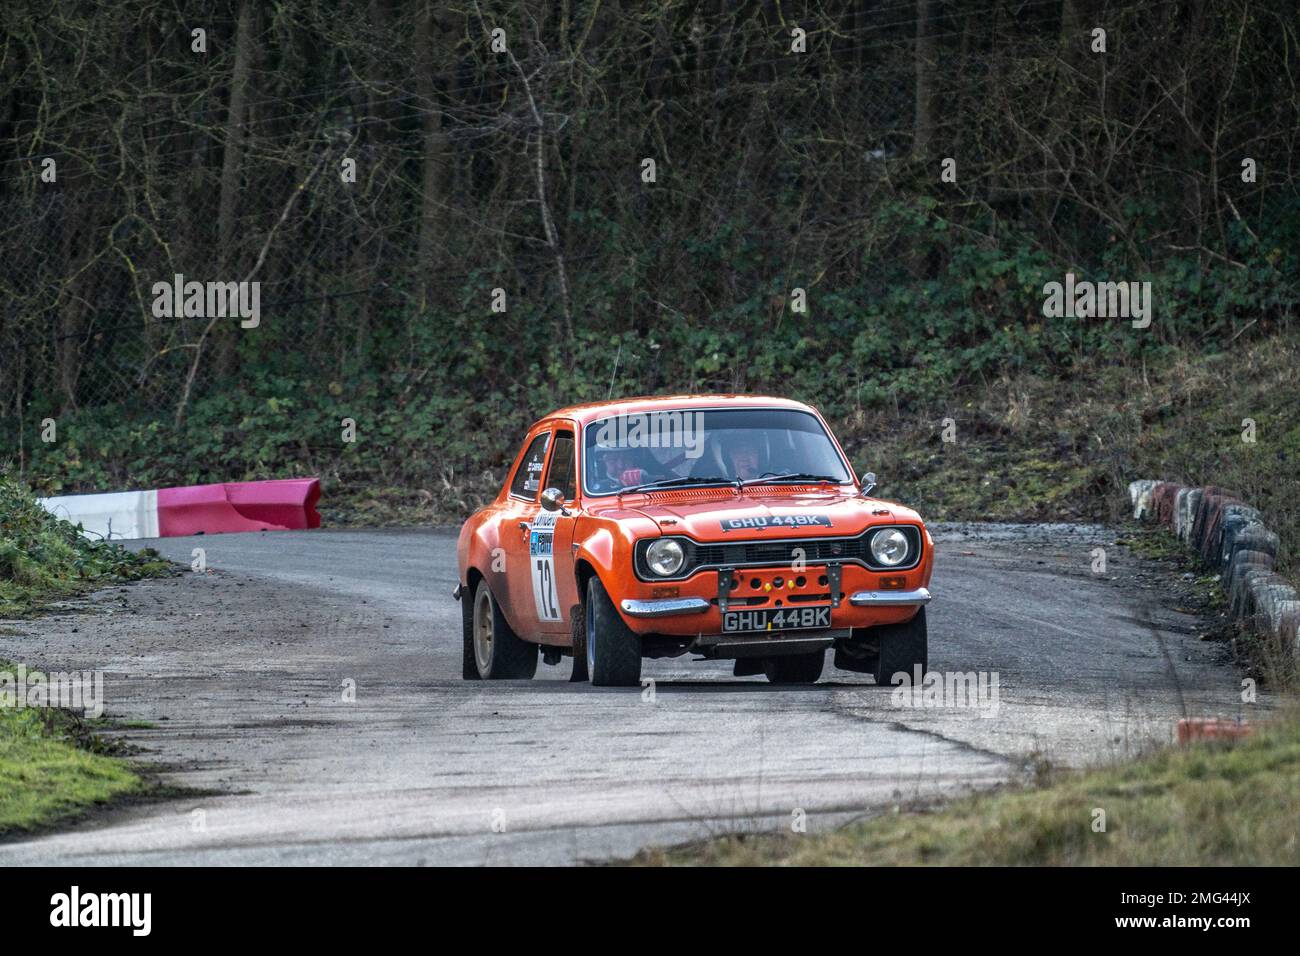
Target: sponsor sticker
x=541, y=565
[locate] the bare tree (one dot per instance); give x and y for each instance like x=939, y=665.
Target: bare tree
x=232, y=165
x=925, y=60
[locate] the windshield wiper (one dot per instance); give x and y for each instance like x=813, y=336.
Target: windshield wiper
x=679, y=482
x=793, y=476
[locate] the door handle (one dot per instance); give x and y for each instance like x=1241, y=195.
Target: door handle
x=523, y=526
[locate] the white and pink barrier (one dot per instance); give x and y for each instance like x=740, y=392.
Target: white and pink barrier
x=281, y=505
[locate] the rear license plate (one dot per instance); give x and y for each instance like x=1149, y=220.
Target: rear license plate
x=777, y=619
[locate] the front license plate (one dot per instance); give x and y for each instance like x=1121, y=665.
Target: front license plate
x=777, y=619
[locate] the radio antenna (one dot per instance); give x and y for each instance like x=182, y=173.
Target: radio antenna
x=614, y=374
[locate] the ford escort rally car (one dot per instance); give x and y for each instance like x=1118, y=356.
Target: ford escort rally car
x=728, y=527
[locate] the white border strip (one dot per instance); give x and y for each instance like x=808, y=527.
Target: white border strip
x=117, y=516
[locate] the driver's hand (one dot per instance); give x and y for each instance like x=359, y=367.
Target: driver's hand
x=632, y=476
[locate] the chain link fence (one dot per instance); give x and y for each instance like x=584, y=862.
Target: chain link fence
x=644, y=187
x=359, y=242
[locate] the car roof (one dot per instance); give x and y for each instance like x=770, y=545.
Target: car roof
x=594, y=411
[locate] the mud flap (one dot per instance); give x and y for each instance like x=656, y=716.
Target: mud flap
x=747, y=667
x=854, y=656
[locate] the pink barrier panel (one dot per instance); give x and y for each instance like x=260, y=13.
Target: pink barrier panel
x=239, y=506
x=288, y=502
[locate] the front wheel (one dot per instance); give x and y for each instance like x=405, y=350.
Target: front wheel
x=497, y=652
x=578, y=631
x=903, y=647
x=613, y=650
x=795, y=668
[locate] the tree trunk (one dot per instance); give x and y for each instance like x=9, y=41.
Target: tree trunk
x=231, y=163
x=923, y=127
x=437, y=155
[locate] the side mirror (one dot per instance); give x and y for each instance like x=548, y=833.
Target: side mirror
x=868, y=482
x=553, y=500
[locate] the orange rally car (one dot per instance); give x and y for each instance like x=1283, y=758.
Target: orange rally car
x=726, y=526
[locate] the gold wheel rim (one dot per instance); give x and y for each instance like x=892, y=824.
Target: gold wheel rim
x=483, y=630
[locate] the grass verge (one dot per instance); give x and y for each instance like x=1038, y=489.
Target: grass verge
x=1209, y=804
x=53, y=765
x=43, y=558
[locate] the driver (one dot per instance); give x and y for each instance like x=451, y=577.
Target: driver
x=741, y=454
x=617, y=468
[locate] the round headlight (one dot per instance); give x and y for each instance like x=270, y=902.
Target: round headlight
x=665, y=556
x=889, y=547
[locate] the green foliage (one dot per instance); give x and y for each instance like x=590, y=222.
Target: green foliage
x=774, y=173
x=441, y=404
x=52, y=766
x=42, y=557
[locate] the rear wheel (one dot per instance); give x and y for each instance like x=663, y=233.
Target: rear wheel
x=795, y=668
x=468, y=667
x=612, y=649
x=903, y=647
x=498, y=653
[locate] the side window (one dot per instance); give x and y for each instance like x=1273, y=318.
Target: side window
x=528, y=479
x=561, y=474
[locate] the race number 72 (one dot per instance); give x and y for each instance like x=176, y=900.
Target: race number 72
x=544, y=589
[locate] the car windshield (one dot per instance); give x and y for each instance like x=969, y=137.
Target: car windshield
x=685, y=447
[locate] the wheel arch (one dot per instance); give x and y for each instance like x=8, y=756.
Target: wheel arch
x=472, y=577
x=584, y=571
x=595, y=558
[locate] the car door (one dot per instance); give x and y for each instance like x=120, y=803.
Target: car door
x=517, y=533
x=554, y=586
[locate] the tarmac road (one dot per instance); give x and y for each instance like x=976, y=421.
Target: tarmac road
x=241, y=673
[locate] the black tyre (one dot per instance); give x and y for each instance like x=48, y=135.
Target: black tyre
x=468, y=668
x=613, y=650
x=902, y=648
x=498, y=653
x=795, y=668
x=578, y=629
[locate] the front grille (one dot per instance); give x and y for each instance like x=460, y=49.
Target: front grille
x=815, y=551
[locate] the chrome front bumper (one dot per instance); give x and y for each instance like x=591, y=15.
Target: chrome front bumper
x=664, y=607
x=890, y=598
x=667, y=607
